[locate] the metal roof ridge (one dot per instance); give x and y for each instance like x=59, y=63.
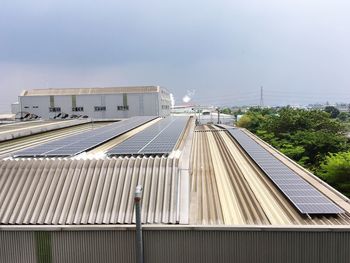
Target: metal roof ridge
x=165, y=227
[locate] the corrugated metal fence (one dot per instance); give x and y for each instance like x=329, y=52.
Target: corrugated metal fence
x=192, y=245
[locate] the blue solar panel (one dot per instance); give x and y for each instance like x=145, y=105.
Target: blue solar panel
x=306, y=198
x=160, y=138
x=78, y=143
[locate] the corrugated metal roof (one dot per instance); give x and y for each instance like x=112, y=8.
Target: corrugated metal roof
x=228, y=188
x=25, y=125
x=88, y=91
x=22, y=129
x=10, y=146
x=64, y=191
x=217, y=184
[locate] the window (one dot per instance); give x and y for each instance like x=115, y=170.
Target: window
x=55, y=109
x=100, y=108
x=26, y=107
x=77, y=108
x=123, y=108
x=35, y=107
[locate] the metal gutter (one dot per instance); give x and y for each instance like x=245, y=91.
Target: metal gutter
x=260, y=228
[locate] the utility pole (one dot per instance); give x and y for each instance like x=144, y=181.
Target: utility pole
x=139, y=243
x=261, y=96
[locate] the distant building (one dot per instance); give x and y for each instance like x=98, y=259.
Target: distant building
x=15, y=107
x=343, y=107
x=100, y=103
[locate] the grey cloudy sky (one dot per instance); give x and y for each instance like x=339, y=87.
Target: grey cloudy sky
x=299, y=50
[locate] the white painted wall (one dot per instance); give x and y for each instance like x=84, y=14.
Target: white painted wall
x=29, y=104
x=15, y=108
x=140, y=104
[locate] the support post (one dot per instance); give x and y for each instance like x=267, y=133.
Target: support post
x=139, y=243
x=218, y=109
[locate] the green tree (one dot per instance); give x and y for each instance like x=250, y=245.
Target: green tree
x=343, y=116
x=333, y=111
x=244, y=121
x=226, y=111
x=317, y=144
x=239, y=112
x=252, y=120
x=336, y=171
x=307, y=136
x=290, y=120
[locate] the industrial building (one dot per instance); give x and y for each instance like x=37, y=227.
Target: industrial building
x=97, y=103
x=211, y=193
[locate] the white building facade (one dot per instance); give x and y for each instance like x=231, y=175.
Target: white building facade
x=99, y=103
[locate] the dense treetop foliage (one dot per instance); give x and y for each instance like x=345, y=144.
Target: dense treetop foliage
x=315, y=139
x=336, y=171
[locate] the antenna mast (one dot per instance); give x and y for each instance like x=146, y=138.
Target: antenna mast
x=261, y=96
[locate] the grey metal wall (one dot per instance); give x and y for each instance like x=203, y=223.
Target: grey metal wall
x=176, y=246
x=17, y=247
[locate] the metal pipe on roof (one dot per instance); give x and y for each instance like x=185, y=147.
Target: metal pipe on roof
x=139, y=244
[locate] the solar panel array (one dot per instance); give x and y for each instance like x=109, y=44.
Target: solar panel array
x=78, y=143
x=158, y=139
x=306, y=198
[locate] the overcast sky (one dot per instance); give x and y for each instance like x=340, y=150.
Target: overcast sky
x=298, y=50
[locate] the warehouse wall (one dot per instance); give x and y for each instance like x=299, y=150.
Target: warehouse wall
x=190, y=245
x=140, y=104
x=164, y=102
x=29, y=104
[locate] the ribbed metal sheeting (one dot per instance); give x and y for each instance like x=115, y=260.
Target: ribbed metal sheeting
x=64, y=192
x=228, y=188
x=8, y=147
x=28, y=128
x=190, y=245
x=89, y=91
x=247, y=246
x=17, y=247
x=12, y=127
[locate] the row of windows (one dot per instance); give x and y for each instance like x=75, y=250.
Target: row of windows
x=55, y=109
x=123, y=108
x=165, y=107
x=100, y=108
x=34, y=107
x=96, y=108
x=78, y=109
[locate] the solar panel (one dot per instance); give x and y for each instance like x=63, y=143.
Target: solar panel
x=78, y=143
x=306, y=198
x=160, y=138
